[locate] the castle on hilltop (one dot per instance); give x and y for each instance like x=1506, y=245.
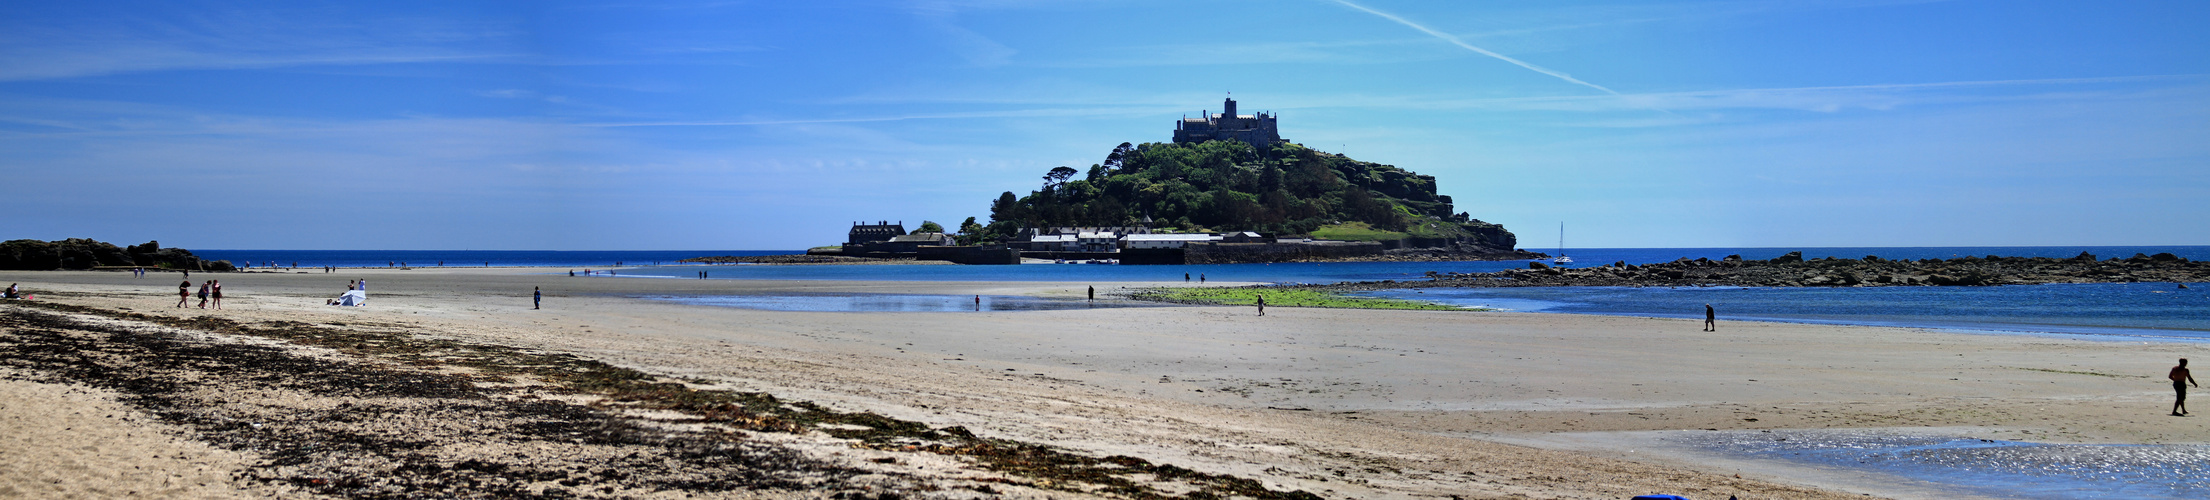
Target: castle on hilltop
x=1257, y=130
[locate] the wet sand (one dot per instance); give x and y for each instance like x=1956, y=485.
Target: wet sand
x=1342, y=403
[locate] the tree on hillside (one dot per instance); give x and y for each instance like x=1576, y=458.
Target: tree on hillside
x=970, y=232
x=1058, y=176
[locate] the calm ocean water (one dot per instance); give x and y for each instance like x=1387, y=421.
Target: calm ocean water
x=468, y=258
x=2118, y=309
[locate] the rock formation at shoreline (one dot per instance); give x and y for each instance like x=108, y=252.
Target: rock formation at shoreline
x=1792, y=270
x=83, y=253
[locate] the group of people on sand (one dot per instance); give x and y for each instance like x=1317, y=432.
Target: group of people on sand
x=209, y=290
x=12, y=293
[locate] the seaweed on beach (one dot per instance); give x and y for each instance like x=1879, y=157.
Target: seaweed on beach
x=438, y=382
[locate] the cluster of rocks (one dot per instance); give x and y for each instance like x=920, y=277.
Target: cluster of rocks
x=788, y=259
x=1443, y=254
x=82, y=253
x=1792, y=270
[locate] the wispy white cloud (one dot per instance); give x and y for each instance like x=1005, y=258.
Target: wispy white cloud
x=967, y=115
x=1454, y=40
x=979, y=50
x=41, y=49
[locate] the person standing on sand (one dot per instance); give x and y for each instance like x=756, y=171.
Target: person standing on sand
x=536, y=298
x=216, y=290
x=183, y=292
x=1185, y=277
x=2181, y=378
x=1711, y=319
x=203, y=293
x=1200, y=278
x=1093, y=294
x=1262, y=304
x=978, y=303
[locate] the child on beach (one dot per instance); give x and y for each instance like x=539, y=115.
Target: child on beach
x=183, y=292
x=203, y=293
x=217, y=292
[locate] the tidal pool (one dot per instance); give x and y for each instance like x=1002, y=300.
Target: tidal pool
x=2010, y=469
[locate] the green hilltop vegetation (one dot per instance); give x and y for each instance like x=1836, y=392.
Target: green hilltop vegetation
x=1219, y=186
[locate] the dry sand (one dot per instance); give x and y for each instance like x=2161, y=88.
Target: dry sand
x=1342, y=403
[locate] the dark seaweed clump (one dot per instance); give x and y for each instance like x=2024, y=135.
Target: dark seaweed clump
x=438, y=424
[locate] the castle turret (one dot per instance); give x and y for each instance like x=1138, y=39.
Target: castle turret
x=1230, y=112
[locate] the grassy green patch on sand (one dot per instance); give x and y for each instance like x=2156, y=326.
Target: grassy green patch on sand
x=1284, y=297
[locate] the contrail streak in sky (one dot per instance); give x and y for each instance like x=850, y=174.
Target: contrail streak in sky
x=1462, y=43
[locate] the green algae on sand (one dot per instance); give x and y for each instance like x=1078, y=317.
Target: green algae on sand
x=1284, y=297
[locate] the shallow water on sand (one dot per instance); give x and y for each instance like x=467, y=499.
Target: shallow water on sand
x=1996, y=468
x=879, y=302
x=2126, y=310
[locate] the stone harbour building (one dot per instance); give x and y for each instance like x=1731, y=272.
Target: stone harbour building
x=1257, y=130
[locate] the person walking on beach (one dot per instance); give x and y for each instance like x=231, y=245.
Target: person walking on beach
x=978, y=303
x=1711, y=319
x=2181, y=378
x=203, y=293
x=1200, y=278
x=1185, y=277
x=536, y=298
x=216, y=290
x=1093, y=294
x=1262, y=304
x=183, y=292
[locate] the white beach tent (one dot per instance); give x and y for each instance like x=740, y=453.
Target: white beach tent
x=353, y=298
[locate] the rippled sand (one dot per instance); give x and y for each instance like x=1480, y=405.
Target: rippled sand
x=1344, y=403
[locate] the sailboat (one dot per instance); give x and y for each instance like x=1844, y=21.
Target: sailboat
x=1561, y=258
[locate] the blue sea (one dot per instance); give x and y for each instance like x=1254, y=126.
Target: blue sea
x=2111, y=310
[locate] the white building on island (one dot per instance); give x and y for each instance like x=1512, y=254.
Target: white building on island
x=1166, y=240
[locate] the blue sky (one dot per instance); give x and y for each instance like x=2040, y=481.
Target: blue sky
x=774, y=125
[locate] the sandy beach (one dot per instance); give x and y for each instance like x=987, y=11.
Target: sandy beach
x=1337, y=403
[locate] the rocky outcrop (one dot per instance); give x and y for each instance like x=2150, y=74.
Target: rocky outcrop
x=82, y=253
x=1792, y=270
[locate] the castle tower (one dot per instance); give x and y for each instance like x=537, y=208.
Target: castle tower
x=1257, y=130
